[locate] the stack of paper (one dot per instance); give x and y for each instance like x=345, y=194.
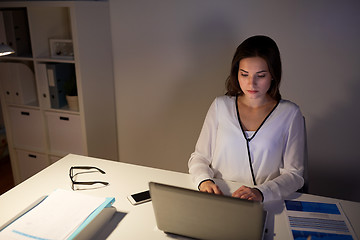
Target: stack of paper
x=315, y=220
x=58, y=216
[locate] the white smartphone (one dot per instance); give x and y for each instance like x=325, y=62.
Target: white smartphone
x=140, y=197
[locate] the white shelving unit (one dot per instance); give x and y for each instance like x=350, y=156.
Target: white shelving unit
x=39, y=129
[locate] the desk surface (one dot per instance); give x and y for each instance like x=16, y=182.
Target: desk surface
x=138, y=222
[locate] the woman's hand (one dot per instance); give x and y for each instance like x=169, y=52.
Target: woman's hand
x=248, y=193
x=210, y=187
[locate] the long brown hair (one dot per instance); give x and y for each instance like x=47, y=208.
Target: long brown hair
x=256, y=46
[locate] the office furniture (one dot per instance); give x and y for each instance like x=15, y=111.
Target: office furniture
x=138, y=222
x=5, y=50
x=50, y=35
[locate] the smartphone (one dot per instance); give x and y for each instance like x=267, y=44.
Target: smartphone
x=140, y=197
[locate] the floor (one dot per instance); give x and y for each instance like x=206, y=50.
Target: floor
x=6, y=176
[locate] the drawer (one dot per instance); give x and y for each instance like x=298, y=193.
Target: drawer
x=65, y=133
x=30, y=163
x=27, y=128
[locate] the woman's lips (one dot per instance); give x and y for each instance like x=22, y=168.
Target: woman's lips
x=252, y=91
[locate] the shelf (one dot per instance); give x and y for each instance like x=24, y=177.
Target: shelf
x=64, y=110
x=15, y=58
x=35, y=83
x=33, y=106
x=54, y=60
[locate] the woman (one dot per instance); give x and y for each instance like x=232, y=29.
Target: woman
x=251, y=135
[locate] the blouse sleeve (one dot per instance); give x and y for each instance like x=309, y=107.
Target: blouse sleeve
x=200, y=160
x=291, y=174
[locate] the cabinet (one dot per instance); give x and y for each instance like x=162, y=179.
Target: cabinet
x=65, y=133
x=59, y=46
x=30, y=163
x=27, y=128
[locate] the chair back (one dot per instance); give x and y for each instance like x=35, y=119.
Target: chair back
x=305, y=187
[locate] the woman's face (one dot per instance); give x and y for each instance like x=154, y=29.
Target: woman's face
x=254, y=77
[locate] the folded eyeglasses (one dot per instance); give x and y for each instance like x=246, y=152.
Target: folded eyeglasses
x=74, y=182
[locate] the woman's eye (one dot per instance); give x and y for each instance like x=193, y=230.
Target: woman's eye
x=261, y=76
x=244, y=75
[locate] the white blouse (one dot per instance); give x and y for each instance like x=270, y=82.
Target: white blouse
x=277, y=150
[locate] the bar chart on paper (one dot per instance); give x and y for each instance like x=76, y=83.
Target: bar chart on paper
x=318, y=221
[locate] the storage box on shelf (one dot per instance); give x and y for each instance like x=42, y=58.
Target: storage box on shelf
x=30, y=162
x=54, y=43
x=65, y=133
x=27, y=128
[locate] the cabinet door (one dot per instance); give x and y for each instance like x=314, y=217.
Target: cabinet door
x=65, y=133
x=27, y=128
x=30, y=163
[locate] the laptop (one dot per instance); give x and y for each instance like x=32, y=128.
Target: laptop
x=202, y=215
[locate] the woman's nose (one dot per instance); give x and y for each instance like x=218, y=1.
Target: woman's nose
x=252, y=81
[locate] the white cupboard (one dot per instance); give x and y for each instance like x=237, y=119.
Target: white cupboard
x=62, y=48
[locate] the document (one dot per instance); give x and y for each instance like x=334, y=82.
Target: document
x=315, y=221
x=56, y=217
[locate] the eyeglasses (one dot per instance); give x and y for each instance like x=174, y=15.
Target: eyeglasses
x=72, y=175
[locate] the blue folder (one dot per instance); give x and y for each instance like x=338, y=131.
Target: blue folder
x=105, y=209
x=108, y=203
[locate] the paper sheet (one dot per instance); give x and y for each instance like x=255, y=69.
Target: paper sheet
x=314, y=220
x=57, y=217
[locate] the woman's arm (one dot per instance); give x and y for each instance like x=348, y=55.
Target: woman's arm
x=200, y=160
x=291, y=174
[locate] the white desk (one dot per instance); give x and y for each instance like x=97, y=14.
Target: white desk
x=137, y=222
